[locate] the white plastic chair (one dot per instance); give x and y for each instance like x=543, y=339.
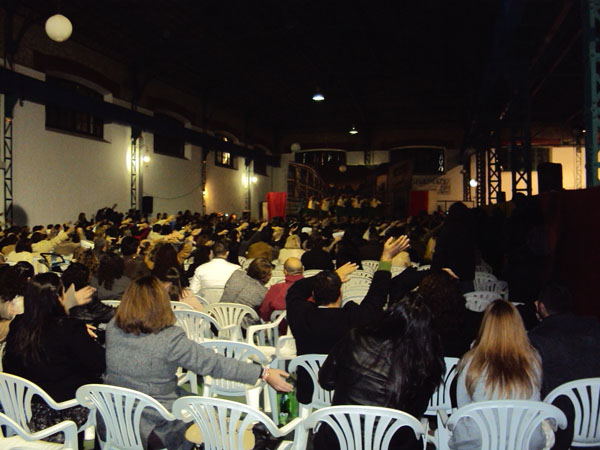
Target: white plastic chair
x=274, y=280
x=181, y=306
x=230, y=316
x=320, y=397
x=223, y=423
x=360, y=427
x=220, y=386
x=246, y=263
x=370, y=265
x=212, y=295
x=241, y=260
x=202, y=300
x=311, y=272
x=121, y=410
x=16, y=394
x=499, y=286
x=479, y=300
x=483, y=267
x=502, y=424
x=113, y=303
x=397, y=270
x=198, y=328
x=483, y=277
x=585, y=397
x=441, y=398
x=360, y=274
x=355, y=283
x=24, y=439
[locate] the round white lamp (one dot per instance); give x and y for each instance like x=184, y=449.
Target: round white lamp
x=59, y=28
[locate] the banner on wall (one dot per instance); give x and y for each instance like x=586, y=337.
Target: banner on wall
x=276, y=204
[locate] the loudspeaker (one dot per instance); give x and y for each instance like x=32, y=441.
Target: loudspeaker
x=549, y=177
x=147, y=204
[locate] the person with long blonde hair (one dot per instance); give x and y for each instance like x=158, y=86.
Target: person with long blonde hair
x=501, y=365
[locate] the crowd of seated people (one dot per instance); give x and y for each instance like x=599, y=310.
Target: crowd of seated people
x=387, y=351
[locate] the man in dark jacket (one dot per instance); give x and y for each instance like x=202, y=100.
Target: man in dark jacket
x=318, y=326
x=568, y=346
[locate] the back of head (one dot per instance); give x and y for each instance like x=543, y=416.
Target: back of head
x=293, y=266
x=326, y=287
x=24, y=245
x=219, y=249
x=556, y=298
x=164, y=258
x=292, y=242
x=129, y=246
x=89, y=259
x=458, y=212
x=111, y=268
x=260, y=269
x=76, y=274
x=37, y=237
x=502, y=356
x=145, y=307
x=440, y=292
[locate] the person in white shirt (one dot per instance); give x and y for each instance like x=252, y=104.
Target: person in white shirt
x=215, y=273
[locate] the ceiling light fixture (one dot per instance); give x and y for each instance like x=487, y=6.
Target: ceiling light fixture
x=318, y=96
x=353, y=130
x=58, y=28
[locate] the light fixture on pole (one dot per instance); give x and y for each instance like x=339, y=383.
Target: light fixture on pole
x=353, y=130
x=58, y=28
x=473, y=183
x=318, y=96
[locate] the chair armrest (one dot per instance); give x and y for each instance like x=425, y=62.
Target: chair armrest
x=290, y=426
x=442, y=417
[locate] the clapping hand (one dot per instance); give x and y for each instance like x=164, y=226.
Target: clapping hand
x=345, y=270
x=394, y=246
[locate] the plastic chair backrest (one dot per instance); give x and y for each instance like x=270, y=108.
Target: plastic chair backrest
x=360, y=427
x=507, y=424
x=311, y=272
x=478, y=301
x=236, y=350
x=222, y=423
x=441, y=398
x=483, y=277
x=230, y=313
x=181, y=306
x=585, y=396
x=212, y=295
x=113, y=303
x=197, y=325
x=499, y=286
x=361, y=274
x=370, y=265
x=24, y=439
x=274, y=280
x=121, y=410
x=356, y=282
x=312, y=363
x=246, y=263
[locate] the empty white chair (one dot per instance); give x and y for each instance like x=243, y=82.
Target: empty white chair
x=212, y=295
x=224, y=424
x=230, y=316
x=503, y=424
x=320, y=397
x=499, y=286
x=479, y=300
x=483, y=277
x=585, y=397
x=483, y=267
x=24, y=439
x=360, y=427
x=16, y=394
x=370, y=265
x=121, y=410
x=220, y=386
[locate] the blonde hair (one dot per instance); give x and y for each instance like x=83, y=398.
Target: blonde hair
x=503, y=355
x=293, y=241
x=145, y=307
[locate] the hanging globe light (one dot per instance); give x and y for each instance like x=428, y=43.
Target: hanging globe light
x=59, y=28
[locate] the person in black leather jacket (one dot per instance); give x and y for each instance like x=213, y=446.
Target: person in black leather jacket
x=396, y=363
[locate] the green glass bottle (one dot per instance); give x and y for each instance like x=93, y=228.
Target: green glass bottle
x=284, y=409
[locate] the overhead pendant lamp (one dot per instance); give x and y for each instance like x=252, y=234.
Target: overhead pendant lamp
x=59, y=28
x=353, y=130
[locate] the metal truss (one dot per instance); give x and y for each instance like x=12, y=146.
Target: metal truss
x=494, y=171
x=591, y=41
x=578, y=164
x=480, y=178
x=135, y=168
x=466, y=186
x=9, y=104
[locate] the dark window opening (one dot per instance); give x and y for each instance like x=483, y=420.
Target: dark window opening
x=166, y=145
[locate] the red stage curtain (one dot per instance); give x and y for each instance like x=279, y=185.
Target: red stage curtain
x=418, y=202
x=276, y=203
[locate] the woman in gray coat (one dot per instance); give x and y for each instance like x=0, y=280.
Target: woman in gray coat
x=144, y=349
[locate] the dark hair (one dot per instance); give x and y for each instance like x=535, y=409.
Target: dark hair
x=326, y=287
x=440, y=292
x=76, y=274
x=24, y=245
x=89, y=259
x=165, y=258
x=129, y=246
x=38, y=237
x=111, y=268
x=556, y=298
x=219, y=248
x=260, y=269
x=37, y=228
x=15, y=280
x=175, y=289
x=42, y=306
x=415, y=351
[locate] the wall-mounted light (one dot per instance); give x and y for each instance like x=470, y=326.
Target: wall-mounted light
x=58, y=28
x=204, y=192
x=353, y=130
x=253, y=179
x=146, y=158
x=473, y=183
x=318, y=96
